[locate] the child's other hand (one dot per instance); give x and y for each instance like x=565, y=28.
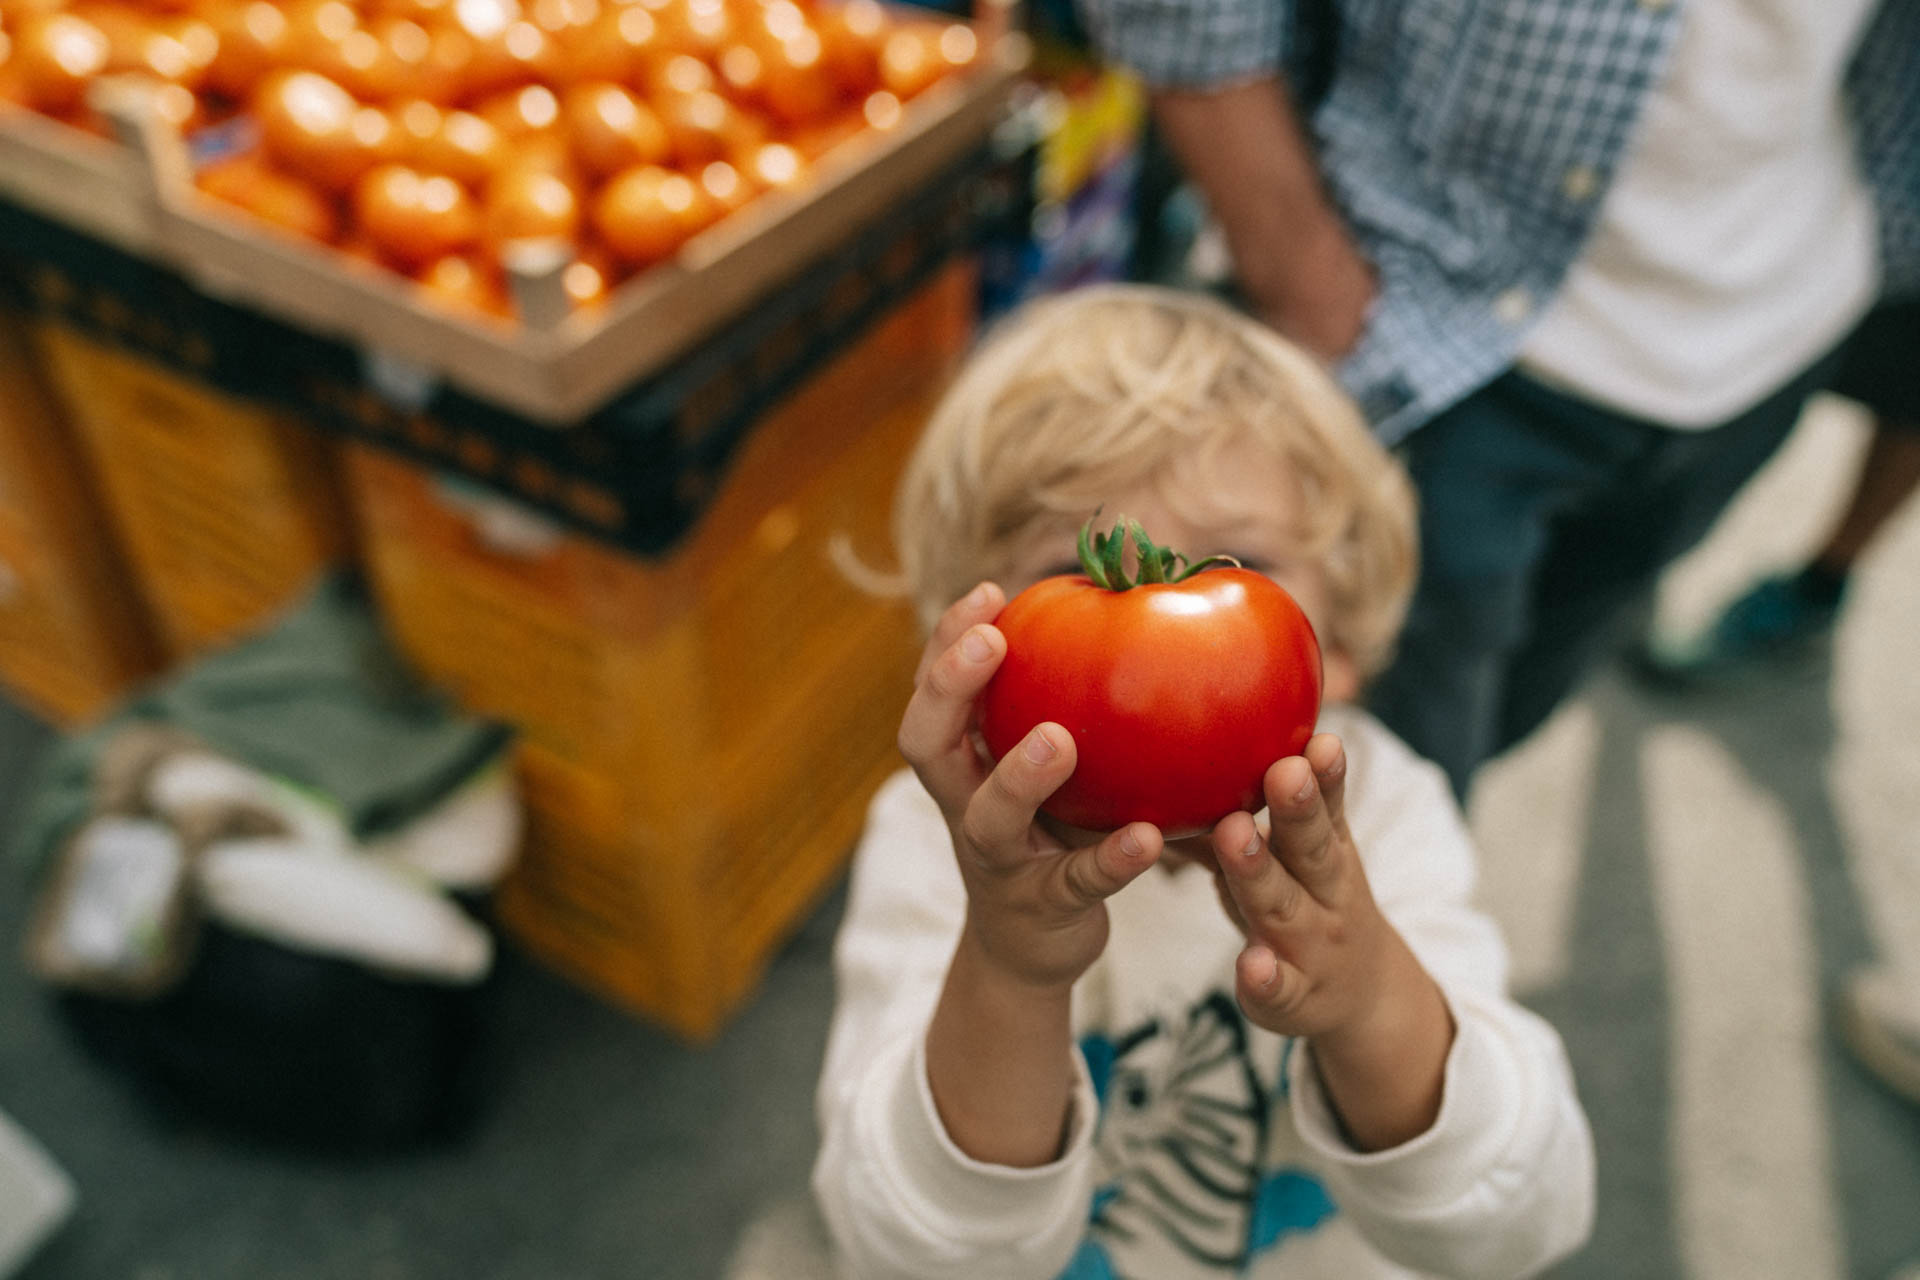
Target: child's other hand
x=1035, y=902
x=1320, y=960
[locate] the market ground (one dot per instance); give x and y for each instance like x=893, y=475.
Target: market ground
x=1682, y=880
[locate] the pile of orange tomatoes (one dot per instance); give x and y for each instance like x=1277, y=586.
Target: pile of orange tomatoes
x=429, y=136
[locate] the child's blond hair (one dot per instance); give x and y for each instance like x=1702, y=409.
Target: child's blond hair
x=1086, y=395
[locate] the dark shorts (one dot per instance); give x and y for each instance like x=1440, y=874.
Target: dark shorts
x=1880, y=364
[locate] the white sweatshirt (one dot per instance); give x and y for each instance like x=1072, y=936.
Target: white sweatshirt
x=1200, y=1146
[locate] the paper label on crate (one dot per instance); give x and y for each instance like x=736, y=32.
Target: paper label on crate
x=501, y=524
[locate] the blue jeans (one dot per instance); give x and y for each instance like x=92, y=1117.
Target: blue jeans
x=1543, y=517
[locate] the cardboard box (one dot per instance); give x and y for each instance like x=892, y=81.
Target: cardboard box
x=701, y=731
x=73, y=636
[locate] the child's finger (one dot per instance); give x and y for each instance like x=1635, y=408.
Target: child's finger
x=982, y=604
x=1002, y=809
x=1097, y=872
x=1227, y=904
x=934, y=729
x=1269, y=989
x=1328, y=756
x=1269, y=900
x=1303, y=838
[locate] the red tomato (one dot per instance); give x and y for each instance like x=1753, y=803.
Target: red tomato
x=1179, y=695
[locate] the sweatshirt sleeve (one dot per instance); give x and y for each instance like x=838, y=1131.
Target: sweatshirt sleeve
x=899, y=1198
x=1502, y=1185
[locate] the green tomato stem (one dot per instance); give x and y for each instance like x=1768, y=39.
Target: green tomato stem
x=1100, y=557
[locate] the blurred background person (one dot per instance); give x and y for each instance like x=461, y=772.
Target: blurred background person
x=1586, y=262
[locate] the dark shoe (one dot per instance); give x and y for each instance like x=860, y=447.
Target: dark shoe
x=1776, y=624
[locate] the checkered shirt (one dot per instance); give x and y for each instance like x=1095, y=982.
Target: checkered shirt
x=1469, y=143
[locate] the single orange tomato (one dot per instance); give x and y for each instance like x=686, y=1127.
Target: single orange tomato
x=703, y=127
x=620, y=46
x=366, y=66
x=249, y=183
x=418, y=121
x=521, y=54
x=528, y=112
x=823, y=136
x=55, y=56
x=698, y=27
x=589, y=278
x=910, y=61
x=550, y=153
x=529, y=204
x=742, y=74
x=466, y=147
x=646, y=214
x=882, y=110
x=682, y=73
x=774, y=165
x=414, y=217
x=780, y=20
x=315, y=29
x=799, y=89
x=558, y=16
x=362, y=252
x=316, y=129
x=484, y=19
x=729, y=189
x=854, y=34
x=466, y=282
x=201, y=40
x=443, y=76
x=612, y=130
x=959, y=46
x=409, y=55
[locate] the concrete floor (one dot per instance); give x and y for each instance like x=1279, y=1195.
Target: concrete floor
x=1682, y=880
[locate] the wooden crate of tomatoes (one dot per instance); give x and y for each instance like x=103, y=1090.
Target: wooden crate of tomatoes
x=538, y=200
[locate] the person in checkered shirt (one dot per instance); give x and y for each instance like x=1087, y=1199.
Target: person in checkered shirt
x=1583, y=262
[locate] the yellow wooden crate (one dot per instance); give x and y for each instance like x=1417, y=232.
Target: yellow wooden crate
x=227, y=510
x=73, y=637
x=701, y=732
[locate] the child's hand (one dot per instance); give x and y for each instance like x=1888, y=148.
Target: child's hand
x=1322, y=962
x=1035, y=903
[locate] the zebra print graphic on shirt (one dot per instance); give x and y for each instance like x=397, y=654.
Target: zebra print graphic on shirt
x=1183, y=1126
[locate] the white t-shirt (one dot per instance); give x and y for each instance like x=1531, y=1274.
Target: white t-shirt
x=1198, y=1141
x=1738, y=242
